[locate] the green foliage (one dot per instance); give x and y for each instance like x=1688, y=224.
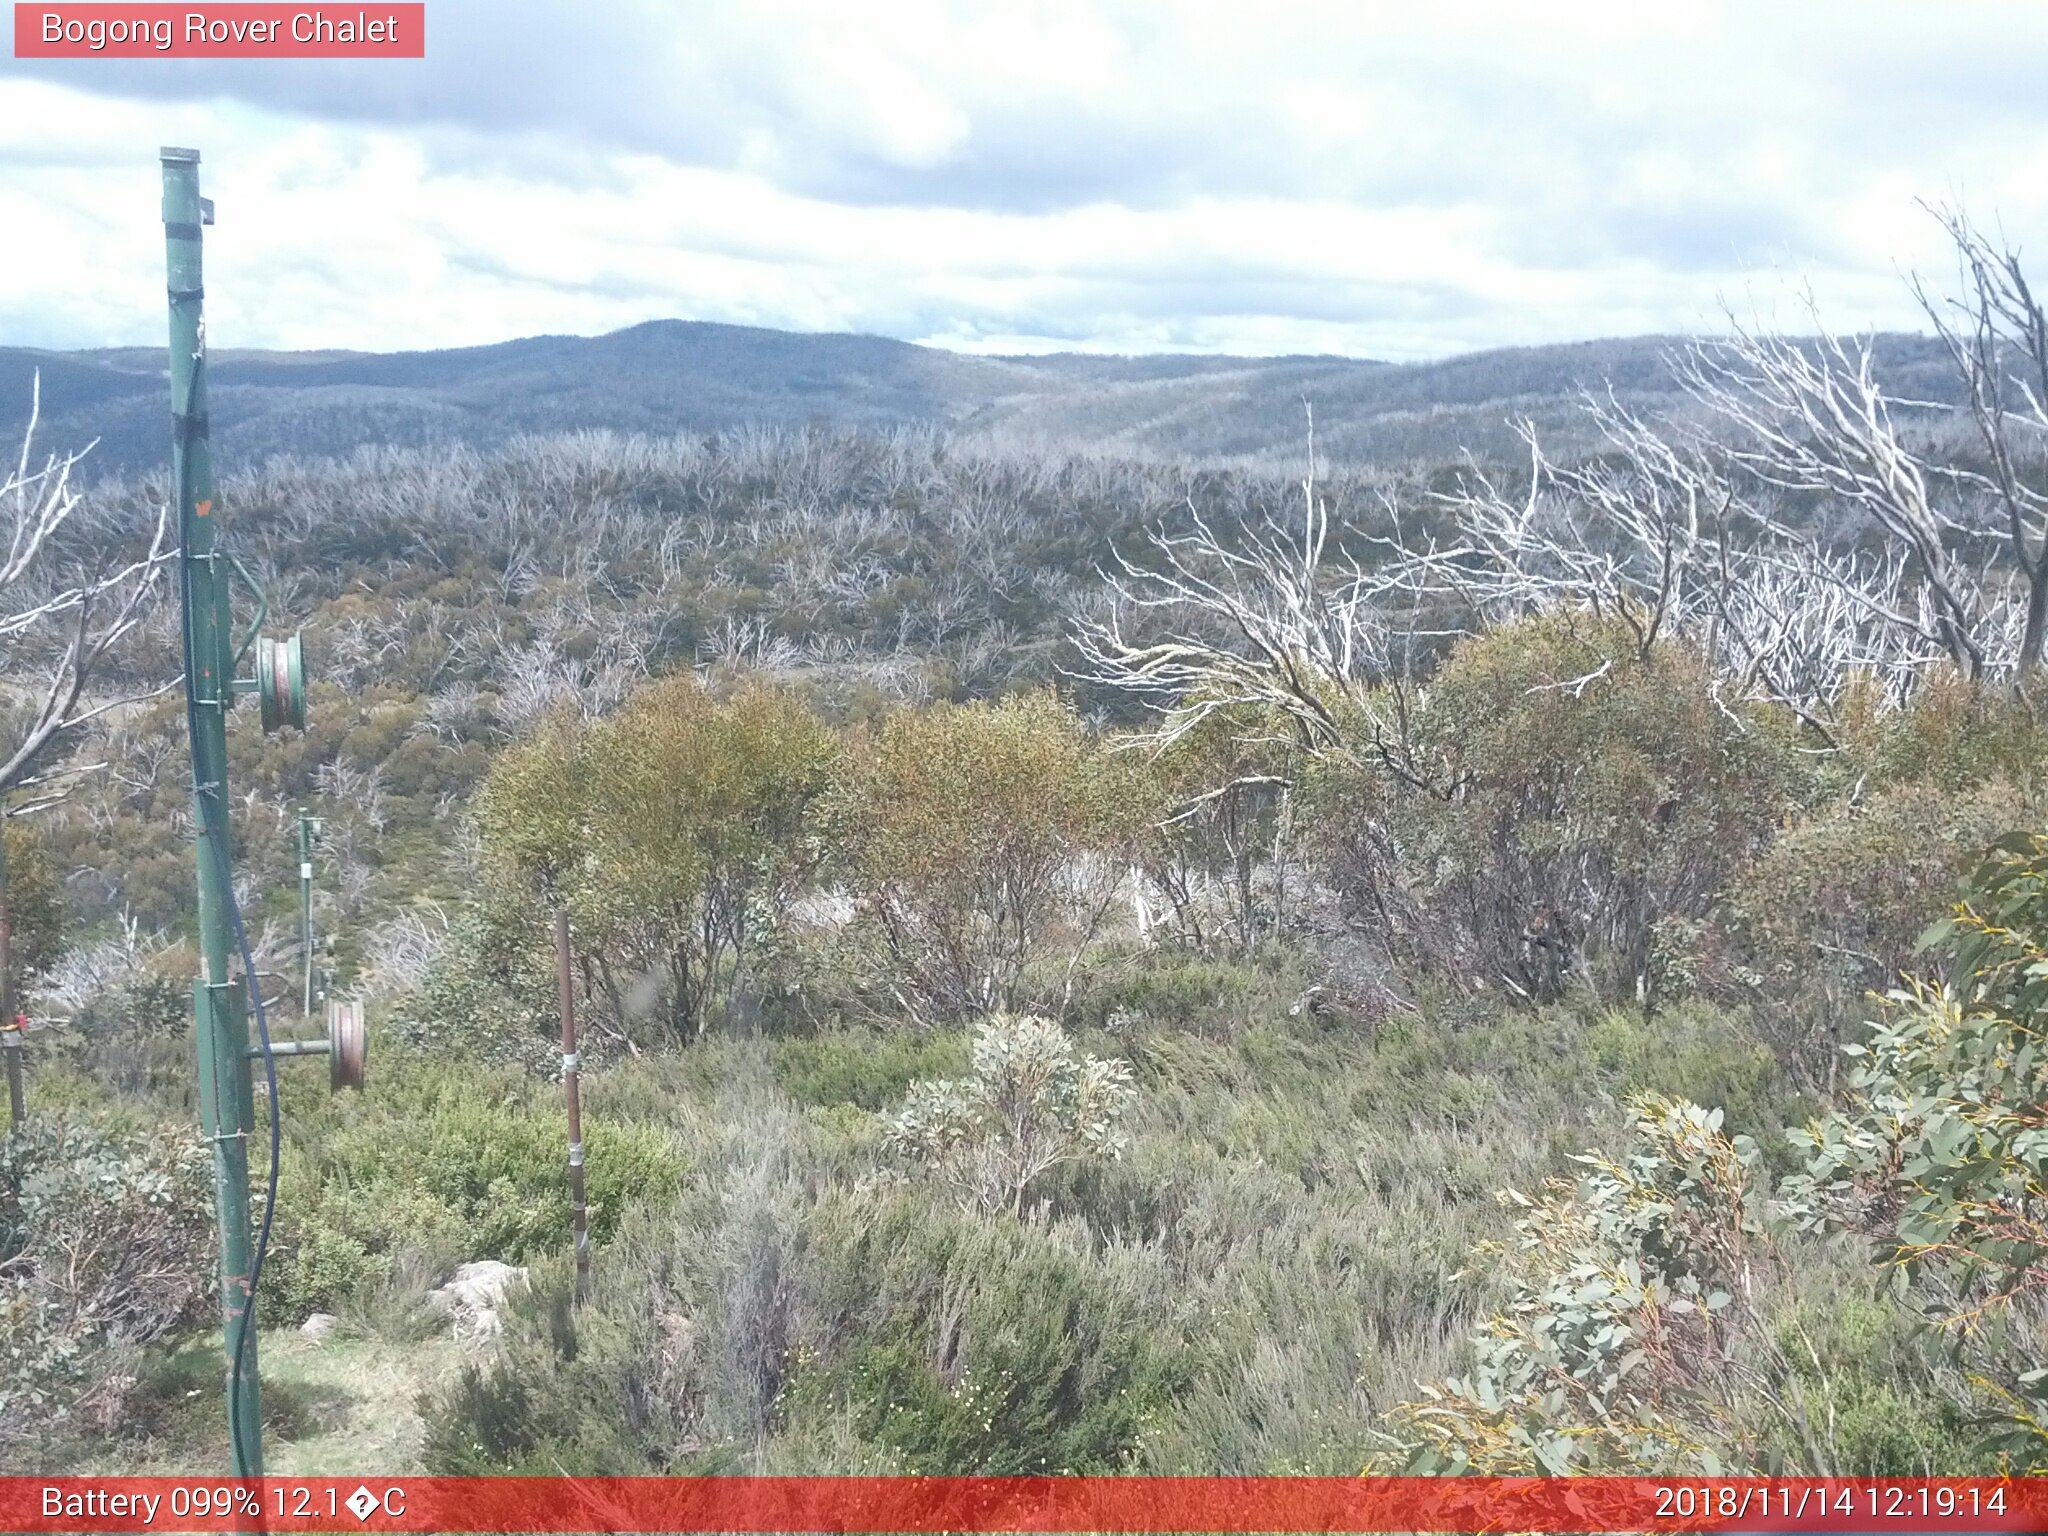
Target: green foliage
x=1834, y=909
x=868, y=1068
x=1265, y=1265
x=1941, y=1147
x=1551, y=799
x=1123, y=990
x=534, y=808
x=905, y=1336
x=1953, y=734
x=490, y=993
x=106, y=1244
x=125, y=1014
x=989, y=1349
x=504, y=1175
x=1694, y=1050
x=978, y=838
x=1657, y=1318
x=1222, y=789
x=449, y=1166
x=319, y=1270
x=36, y=905
x=1874, y=1396
x=1625, y=1288
x=1029, y=1103
x=677, y=831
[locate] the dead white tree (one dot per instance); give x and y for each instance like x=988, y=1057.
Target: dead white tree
x=1723, y=528
x=1997, y=336
x=1809, y=416
x=1660, y=530
x=1272, y=619
x=1655, y=531
x=66, y=604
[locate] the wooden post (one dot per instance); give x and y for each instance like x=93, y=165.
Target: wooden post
x=579, y=1212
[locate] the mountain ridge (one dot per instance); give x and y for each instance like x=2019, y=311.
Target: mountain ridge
x=665, y=376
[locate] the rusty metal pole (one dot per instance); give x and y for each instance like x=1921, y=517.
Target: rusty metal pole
x=10, y=1031
x=10, y=1048
x=579, y=1212
x=308, y=828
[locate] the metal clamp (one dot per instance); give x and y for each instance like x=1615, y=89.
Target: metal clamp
x=262, y=609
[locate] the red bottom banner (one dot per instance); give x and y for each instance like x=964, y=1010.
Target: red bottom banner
x=934, y=1504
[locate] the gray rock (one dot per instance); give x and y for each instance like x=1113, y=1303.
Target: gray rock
x=318, y=1326
x=473, y=1295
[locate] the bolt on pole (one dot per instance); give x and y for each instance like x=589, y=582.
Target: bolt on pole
x=220, y=1019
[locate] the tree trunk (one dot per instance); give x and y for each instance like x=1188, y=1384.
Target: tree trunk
x=2037, y=625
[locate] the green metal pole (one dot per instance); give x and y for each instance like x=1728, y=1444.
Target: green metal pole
x=219, y=1016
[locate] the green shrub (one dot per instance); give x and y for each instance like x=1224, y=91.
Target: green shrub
x=1953, y=734
x=678, y=832
x=1030, y=1103
x=1674, y=1311
x=1631, y=1288
x=1833, y=910
x=106, y=1245
x=440, y=1167
x=988, y=1349
x=868, y=1068
x=980, y=838
x=908, y=1337
x=1877, y=1396
x=1222, y=787
x=1167, y=987
x=503, y=1172
x=1551, y=798
x=1695, y=1050
x=490, y=992
x=321, y=1271
x=36, y=902
x=1939, y=1156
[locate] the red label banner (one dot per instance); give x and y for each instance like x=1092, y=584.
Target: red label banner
x=934, y=1504
x=236, y=31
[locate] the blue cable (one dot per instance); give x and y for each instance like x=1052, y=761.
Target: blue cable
x=276, y=1143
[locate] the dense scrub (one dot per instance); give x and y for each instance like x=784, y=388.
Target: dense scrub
x=977, y=1083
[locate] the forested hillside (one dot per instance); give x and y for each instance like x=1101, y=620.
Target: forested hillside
x=1110, y=937
x=684, y=376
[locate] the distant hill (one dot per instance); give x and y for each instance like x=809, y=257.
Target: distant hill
x=674, y=375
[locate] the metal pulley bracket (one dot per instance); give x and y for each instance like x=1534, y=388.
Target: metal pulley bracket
x=281, y=683
x=348, y=1045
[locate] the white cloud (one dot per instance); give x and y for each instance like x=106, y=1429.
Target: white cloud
x=1379, y=179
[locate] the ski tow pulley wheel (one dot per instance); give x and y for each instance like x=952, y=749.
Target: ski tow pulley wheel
x=281, y=683
x=348, y=1043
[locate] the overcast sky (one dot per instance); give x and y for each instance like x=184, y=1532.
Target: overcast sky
x=1402, y=180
